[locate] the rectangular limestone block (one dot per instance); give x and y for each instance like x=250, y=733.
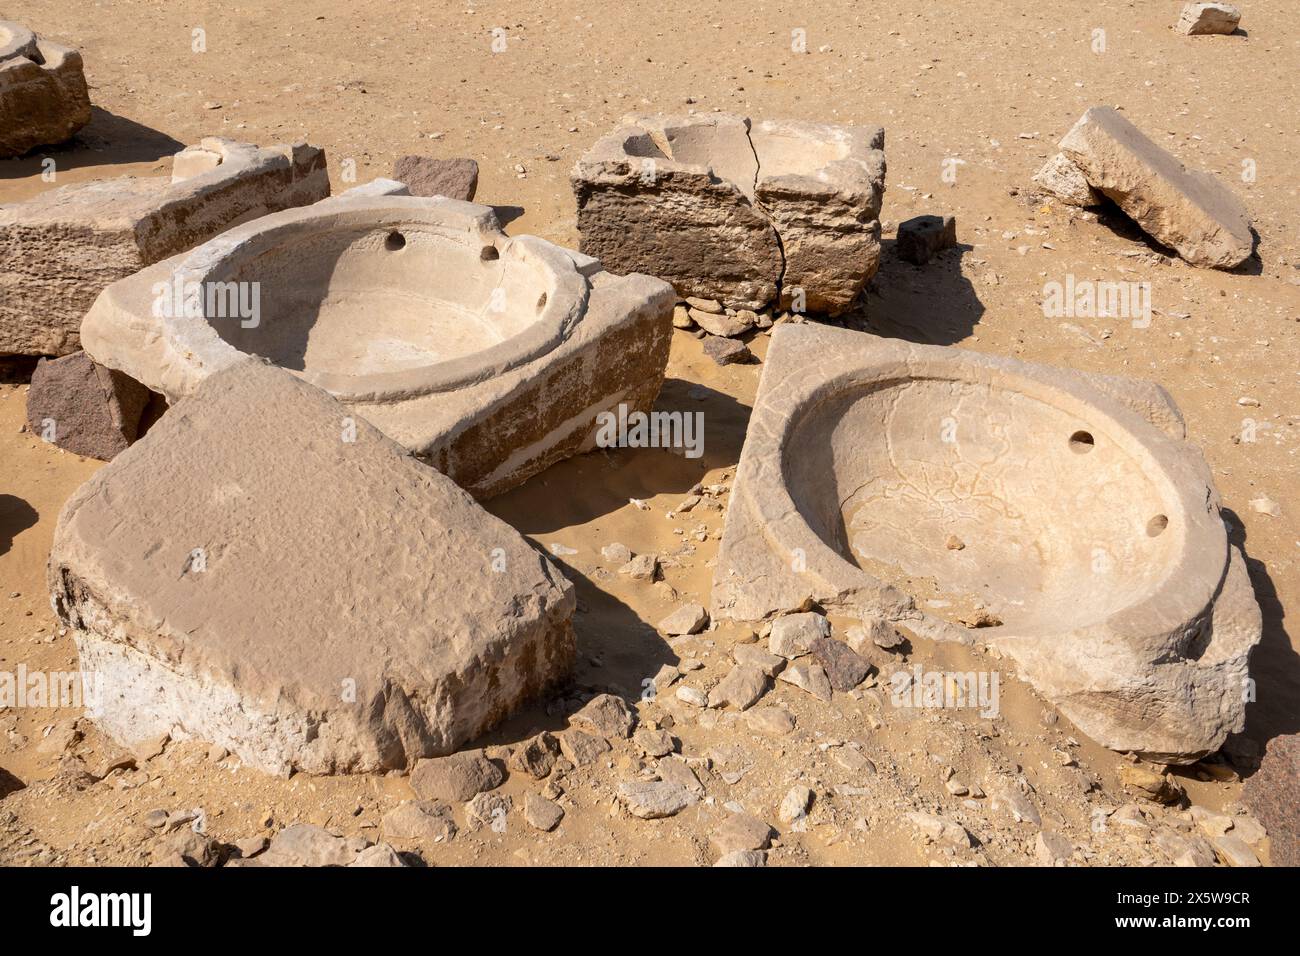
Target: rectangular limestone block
x=61, y=249
x=266, y=572
x=1199, y=19
x=1190, y=211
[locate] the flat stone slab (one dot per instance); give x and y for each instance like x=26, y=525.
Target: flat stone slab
x=61, y=249
x=43, y=95
x=1190, y=211
x=489, y=356
x=747, y=213
x=1093, y=551
x=266, y=574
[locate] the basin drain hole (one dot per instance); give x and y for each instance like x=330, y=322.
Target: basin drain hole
x=1081, y=443
x=489, y=254
x=541, y=302
x=1156, y=525
x=395, y=241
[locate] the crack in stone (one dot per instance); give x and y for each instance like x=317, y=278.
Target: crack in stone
x=780, y=243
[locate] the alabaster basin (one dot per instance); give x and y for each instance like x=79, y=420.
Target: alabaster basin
x=488, y=355
x=1056, y=515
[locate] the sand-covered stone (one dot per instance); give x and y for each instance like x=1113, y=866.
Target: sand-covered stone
x=43, y=94
x=259, y=574
x=85, y=408
x=1188, y=210
x=745, y=213
x=61, y=249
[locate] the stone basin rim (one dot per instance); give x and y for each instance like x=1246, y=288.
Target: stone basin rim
x=566, y=289
x=1201, y=546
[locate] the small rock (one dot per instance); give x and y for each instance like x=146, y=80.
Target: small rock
x=655, y=743
x=687, y=619
x=536, y=755
x=795, y=804
x=940, y=830
x=921, y=238
x=723, y=325
x=419, y=820
x=581, y=748
x=794, y=634
x=740, y=831
x=743, y=858
x=1200, y=19
x=607, y=715
x=773, y=721
x=693, y=696
x=653, y=799
x=726, y=351
x=845, y=669
x=741, y=688
x=427, y=176
x=379, y=855
x=456, y=778
x=1050, y=847
x=616, y=553
x=808, y=677
x=751, y=655
x=541, y=813
x=488, y=810
x=1234, y=851
x=1145, y=782
x=305, y=844
x=644, y=567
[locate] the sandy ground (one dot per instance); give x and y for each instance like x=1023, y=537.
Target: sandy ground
x=993, y=87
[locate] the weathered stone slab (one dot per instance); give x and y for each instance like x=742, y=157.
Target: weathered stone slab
x=1094, y=555
x=259, y=573
x=428, y=176
x=43, y=95
x=489, y=356
x=1188, y=210
x=1198, y=19
x=61, y=249
x=747, y=214
x=85, y=408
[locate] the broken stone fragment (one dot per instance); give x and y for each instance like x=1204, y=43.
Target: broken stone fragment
x=773, y=721
x=793, y=635
x=808, y=677
x=427, y=176
x=1188, y=210
x=1061, y=178
x=654, y=799
x=735, y=211
x=43, y=96
x=655, y=743
x=542, y=814
x=536, y=755
x=687, y=619
x=1197, y=19
x=844, y=668
x=305, y=844
x=582, y=748
x=85, y=408
x=741, y=831
x=726, y=351
x=607, y=715
x=456, y=777
x=59, y=250
x=212, y=579
x=741, y=688
x=724, y=325
x=419, y=820
x=940, y=829
x=921, y=238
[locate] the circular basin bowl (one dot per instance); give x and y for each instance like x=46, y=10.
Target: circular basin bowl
x=386, y=300
x=994, y=500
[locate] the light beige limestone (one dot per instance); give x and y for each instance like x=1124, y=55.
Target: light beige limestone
x=43, y=95
x=1093, y=546
x=1197, y=19
x=250, y=575
x=742, y=212
x=488, y=356
x=1188, y=210
x=61, y=249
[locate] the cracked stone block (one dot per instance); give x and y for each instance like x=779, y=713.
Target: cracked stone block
x=1190, y=211
x=1198, y=19
x=1059, y=177
x=248, y=576
x=85, y=408
x=749, y=214
x=1095, y=555
x=427, y=176
x=61, y=249
x=43, y=95
x=490, y=357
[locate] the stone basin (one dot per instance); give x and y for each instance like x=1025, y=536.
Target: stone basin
x=43, y=95
x=487, y=355
x=1056, y=515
